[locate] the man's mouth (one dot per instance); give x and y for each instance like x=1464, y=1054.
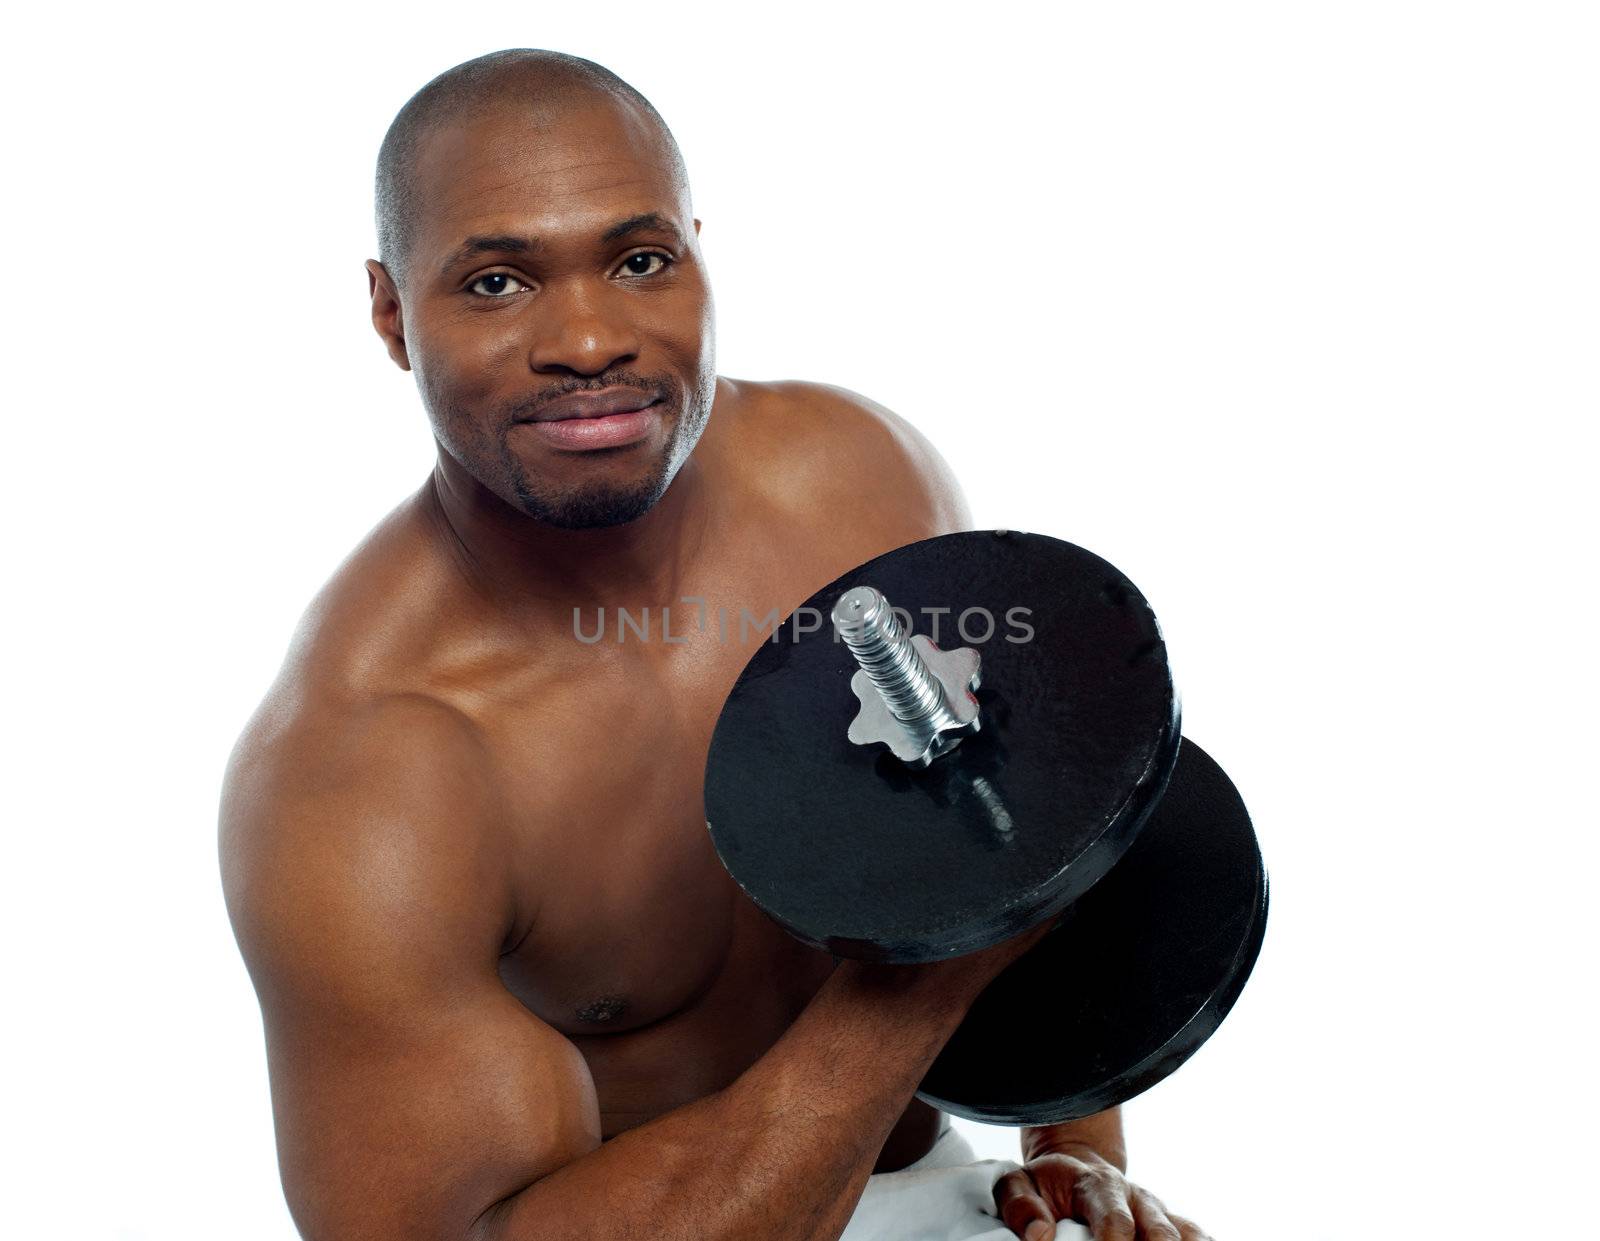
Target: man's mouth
x=585, y=421
x=602, y=404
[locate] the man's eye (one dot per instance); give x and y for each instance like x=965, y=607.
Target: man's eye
x=640, y=264
x=497, y=282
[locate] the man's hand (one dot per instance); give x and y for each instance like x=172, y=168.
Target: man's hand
x=1072, y=1181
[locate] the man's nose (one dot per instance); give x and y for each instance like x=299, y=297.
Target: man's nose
x=582, y=330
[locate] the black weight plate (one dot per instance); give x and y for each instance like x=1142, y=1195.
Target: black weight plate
x=1139, y=973
x=852, y=851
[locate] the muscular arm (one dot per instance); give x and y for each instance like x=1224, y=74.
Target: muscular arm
x=784, y=1152
x=415, y=1097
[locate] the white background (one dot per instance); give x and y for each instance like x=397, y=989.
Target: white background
x=1289, y=310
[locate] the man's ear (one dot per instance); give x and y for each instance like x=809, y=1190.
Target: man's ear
x=697, y=228
x=386, y=314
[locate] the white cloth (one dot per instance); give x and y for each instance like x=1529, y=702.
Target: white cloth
x=947, y=1195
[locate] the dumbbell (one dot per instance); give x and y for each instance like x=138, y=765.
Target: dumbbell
x=892, y=794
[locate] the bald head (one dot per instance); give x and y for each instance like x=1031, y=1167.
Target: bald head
x=541, y=83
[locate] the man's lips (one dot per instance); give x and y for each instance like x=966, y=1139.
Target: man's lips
x=590, y=420
x=593, y=405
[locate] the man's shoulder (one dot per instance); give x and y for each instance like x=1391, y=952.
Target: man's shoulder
x=820, y=443
x=340, y=812
x=357, y=762
x=371, y=642
x=361, y=627
x=833, y=415
x=349, y=762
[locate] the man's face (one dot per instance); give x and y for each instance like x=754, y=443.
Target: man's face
x=555, y=283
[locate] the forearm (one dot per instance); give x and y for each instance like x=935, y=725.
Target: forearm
x=783, y=1153
x=1101, y=1133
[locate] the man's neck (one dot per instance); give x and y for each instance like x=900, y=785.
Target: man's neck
x=516, y=560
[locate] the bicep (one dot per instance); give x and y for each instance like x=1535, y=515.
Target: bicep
x=414, y=1121
x=410, y=1090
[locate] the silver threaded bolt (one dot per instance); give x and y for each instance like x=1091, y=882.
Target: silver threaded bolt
x=932, y=707
x=876, y=638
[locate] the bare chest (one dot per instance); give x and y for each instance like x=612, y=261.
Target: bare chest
x=628, y=918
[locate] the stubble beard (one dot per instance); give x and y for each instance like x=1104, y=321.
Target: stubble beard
x=598, y=505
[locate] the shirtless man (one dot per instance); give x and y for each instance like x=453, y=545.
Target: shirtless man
x=508, y=990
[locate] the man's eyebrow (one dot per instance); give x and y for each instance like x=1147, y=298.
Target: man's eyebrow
x=644, y=222
x=504, y=244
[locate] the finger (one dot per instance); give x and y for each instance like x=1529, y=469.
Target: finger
x=1096, y=1195
x=1154, y=1224
x=1021, y=1207
x=1105, y=1211
x=1188, y=1230
x=1057, y=1178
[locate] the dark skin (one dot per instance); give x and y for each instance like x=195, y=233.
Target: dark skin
x=508, y=989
